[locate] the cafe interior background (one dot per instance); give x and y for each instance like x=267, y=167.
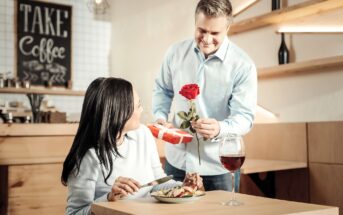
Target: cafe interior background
x=130, y=39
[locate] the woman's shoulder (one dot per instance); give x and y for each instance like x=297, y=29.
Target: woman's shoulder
x=90, y=158
x=142, y=132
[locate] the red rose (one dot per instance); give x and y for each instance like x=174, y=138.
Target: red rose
x=190, y=91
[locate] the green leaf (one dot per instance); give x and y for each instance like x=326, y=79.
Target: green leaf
x=189, y=117
x=183, y=115
x=185, y=124
x=196, y=117
x=192, y=129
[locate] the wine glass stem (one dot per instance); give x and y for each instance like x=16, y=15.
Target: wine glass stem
x=233, y=197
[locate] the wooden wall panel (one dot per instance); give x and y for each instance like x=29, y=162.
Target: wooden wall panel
x=326, y=142
x=248, y=186
x=38, y=129
x=21, y=150
x=292, y=185
x=36, y=189
x=282, y=141
x=326, y=184
x=3, y=190
x=160, y=149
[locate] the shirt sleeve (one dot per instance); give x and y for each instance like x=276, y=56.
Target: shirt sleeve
x=81, y=187
x=163, y=92
x=242, y=104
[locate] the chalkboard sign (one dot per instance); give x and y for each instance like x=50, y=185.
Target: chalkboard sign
x=43, y=42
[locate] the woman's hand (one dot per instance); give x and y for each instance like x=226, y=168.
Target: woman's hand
x=193, y=180
x=122, y=187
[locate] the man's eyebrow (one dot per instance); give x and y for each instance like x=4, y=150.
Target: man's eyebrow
x=212, y=32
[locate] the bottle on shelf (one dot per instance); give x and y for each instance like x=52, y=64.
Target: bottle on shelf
x=283, y=51
x=276, y=4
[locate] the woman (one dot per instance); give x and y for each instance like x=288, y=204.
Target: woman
x=112, y=153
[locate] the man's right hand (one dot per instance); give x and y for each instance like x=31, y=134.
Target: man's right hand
x=164, y=123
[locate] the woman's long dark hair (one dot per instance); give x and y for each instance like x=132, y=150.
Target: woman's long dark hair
x=107, y=106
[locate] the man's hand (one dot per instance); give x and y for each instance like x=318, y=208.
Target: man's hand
x=122, y=187
x=208, y=128
x=164, y=123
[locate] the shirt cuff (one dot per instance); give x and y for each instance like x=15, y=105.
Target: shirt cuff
x=224, y=130
x=161, y=116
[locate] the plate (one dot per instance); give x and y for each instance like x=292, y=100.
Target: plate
x=178, y=200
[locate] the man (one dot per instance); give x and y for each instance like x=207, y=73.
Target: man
x=227, y=100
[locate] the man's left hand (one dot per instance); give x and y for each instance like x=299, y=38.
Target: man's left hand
x=208, y=128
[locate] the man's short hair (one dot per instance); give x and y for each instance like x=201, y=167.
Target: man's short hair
x=214, y=8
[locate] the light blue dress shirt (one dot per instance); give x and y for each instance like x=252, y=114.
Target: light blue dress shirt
x=228, y=93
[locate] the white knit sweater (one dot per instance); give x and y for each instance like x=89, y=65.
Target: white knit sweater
x=140, y=161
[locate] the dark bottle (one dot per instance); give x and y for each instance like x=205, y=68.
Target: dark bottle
x=283, y=51
x=276, y=4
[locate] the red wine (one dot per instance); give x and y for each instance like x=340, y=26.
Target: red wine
x=231, y=162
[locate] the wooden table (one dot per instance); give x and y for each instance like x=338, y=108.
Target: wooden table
x=211, y=204
x=261, y=165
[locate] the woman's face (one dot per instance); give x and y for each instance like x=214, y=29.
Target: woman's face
x=134, y=121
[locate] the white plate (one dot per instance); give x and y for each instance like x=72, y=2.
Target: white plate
x=178, y=200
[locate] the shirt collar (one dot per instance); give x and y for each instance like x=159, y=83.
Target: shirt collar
x=220, y=53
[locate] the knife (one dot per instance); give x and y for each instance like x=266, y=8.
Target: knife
x=158, y=181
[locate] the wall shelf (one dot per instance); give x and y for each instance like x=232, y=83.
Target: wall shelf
x=41, y=91
x=313, y=7
x=239, y=6
x=36, y=95
x=324, y=64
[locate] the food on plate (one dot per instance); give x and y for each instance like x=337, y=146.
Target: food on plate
x=189, y=188
x=178, y=192
x=193, y=180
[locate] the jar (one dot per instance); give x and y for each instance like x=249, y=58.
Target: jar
x=26, y=84
x=2, y=82
x=10, y=118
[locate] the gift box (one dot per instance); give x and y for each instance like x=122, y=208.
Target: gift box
x=170, y=135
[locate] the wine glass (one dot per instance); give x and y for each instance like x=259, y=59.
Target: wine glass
x=232, y=156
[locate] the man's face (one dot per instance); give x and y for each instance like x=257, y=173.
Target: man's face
x=210, y=32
